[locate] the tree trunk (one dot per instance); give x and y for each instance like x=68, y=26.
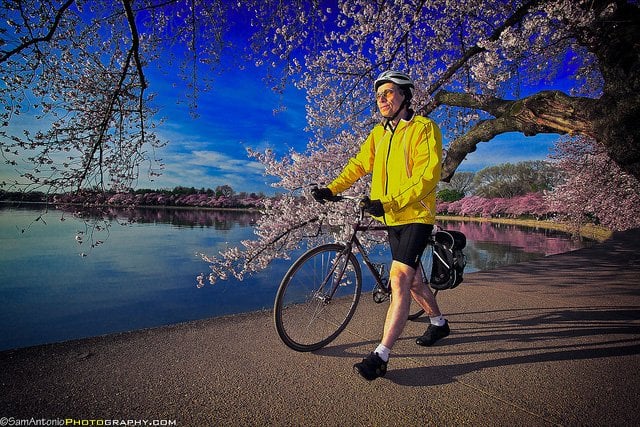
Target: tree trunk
x=613, y=120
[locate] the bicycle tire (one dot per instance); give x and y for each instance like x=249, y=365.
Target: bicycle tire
x=305, y=317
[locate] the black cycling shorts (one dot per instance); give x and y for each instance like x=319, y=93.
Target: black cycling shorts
x=408, y=242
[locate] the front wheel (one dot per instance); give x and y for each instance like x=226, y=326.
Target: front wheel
x=317, y=297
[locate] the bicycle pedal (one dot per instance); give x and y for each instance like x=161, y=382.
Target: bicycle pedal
x=379, y=297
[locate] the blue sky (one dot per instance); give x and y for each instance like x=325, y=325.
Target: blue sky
x=237, y=113
x=210, y=150
x=509, y=147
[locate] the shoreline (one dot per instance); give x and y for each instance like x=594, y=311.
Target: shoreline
x=552, y=341
x=589, y=231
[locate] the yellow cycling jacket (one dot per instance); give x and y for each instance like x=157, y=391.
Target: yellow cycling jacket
x=405, y=166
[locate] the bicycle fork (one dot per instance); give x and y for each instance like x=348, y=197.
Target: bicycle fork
x=335, y=276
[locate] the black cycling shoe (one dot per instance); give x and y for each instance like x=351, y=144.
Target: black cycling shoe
x=371, y=367
x=433, y=334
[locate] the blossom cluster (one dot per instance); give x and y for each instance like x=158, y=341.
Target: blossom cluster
x=595, y=188
x=533, y=205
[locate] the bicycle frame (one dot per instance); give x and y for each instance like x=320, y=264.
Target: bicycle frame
x=320, y=292
x=353, y=240
x=348, y=249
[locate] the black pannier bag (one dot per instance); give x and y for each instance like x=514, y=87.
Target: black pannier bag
x=448, y=259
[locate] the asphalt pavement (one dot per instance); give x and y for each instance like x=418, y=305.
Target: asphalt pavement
x=554, y=341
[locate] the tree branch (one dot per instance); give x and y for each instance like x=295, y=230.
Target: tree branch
x=104, y=125
x=611, y=120
x=515, y=18
x=285, y=233
x=495, y=106
x=135, y=42
x=543, y=112
x=37, y=40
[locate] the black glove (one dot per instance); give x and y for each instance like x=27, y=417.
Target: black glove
x=321, y=194
x=373, y=207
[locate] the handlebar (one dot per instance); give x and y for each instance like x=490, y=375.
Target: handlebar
x=323, y=195
x=345, y=197
x=361, y=199
x=362, y=202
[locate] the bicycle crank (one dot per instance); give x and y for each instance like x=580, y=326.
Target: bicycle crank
x=379, y=296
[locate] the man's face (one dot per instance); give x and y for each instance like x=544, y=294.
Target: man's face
x=389, y=98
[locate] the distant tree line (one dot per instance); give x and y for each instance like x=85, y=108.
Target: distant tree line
x=525, y=189
x=222, y=196
x=502, y=181
x=506, y=190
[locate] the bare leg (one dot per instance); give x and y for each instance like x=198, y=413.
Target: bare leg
x=438, y=326
x=423, y=295
x=405, y=284
x=401, y=278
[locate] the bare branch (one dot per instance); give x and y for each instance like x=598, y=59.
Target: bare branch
x=135, y=42
x=37, y=40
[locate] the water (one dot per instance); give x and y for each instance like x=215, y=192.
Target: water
x=144, y=274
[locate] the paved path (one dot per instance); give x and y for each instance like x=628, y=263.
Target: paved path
x=551, y=341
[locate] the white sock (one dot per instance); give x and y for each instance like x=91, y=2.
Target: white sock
x=438, y=320
x=383, y=352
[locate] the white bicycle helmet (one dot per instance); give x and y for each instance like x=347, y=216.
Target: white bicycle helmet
x=397, y=77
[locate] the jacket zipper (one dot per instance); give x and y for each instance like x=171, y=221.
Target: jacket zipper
x=386, y=164
x=386, y=169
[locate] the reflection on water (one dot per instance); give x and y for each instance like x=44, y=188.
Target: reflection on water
x=143, y=275
x=493, y=245
x=191, y=218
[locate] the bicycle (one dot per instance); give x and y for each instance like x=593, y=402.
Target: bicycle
x=320, y=292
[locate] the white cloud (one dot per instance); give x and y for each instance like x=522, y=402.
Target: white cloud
x=224, y=162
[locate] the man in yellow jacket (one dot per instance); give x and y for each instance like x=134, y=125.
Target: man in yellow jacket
x=403, y=154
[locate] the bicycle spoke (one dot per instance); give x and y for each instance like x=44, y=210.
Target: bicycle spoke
x=317, y=298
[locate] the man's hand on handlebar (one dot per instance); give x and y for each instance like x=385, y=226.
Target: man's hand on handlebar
x=322, y=194
x=372, y=207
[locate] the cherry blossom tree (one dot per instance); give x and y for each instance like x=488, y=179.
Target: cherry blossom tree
x=80, y=67
x=477, y=64
x=595, y=189
x=475, y=55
